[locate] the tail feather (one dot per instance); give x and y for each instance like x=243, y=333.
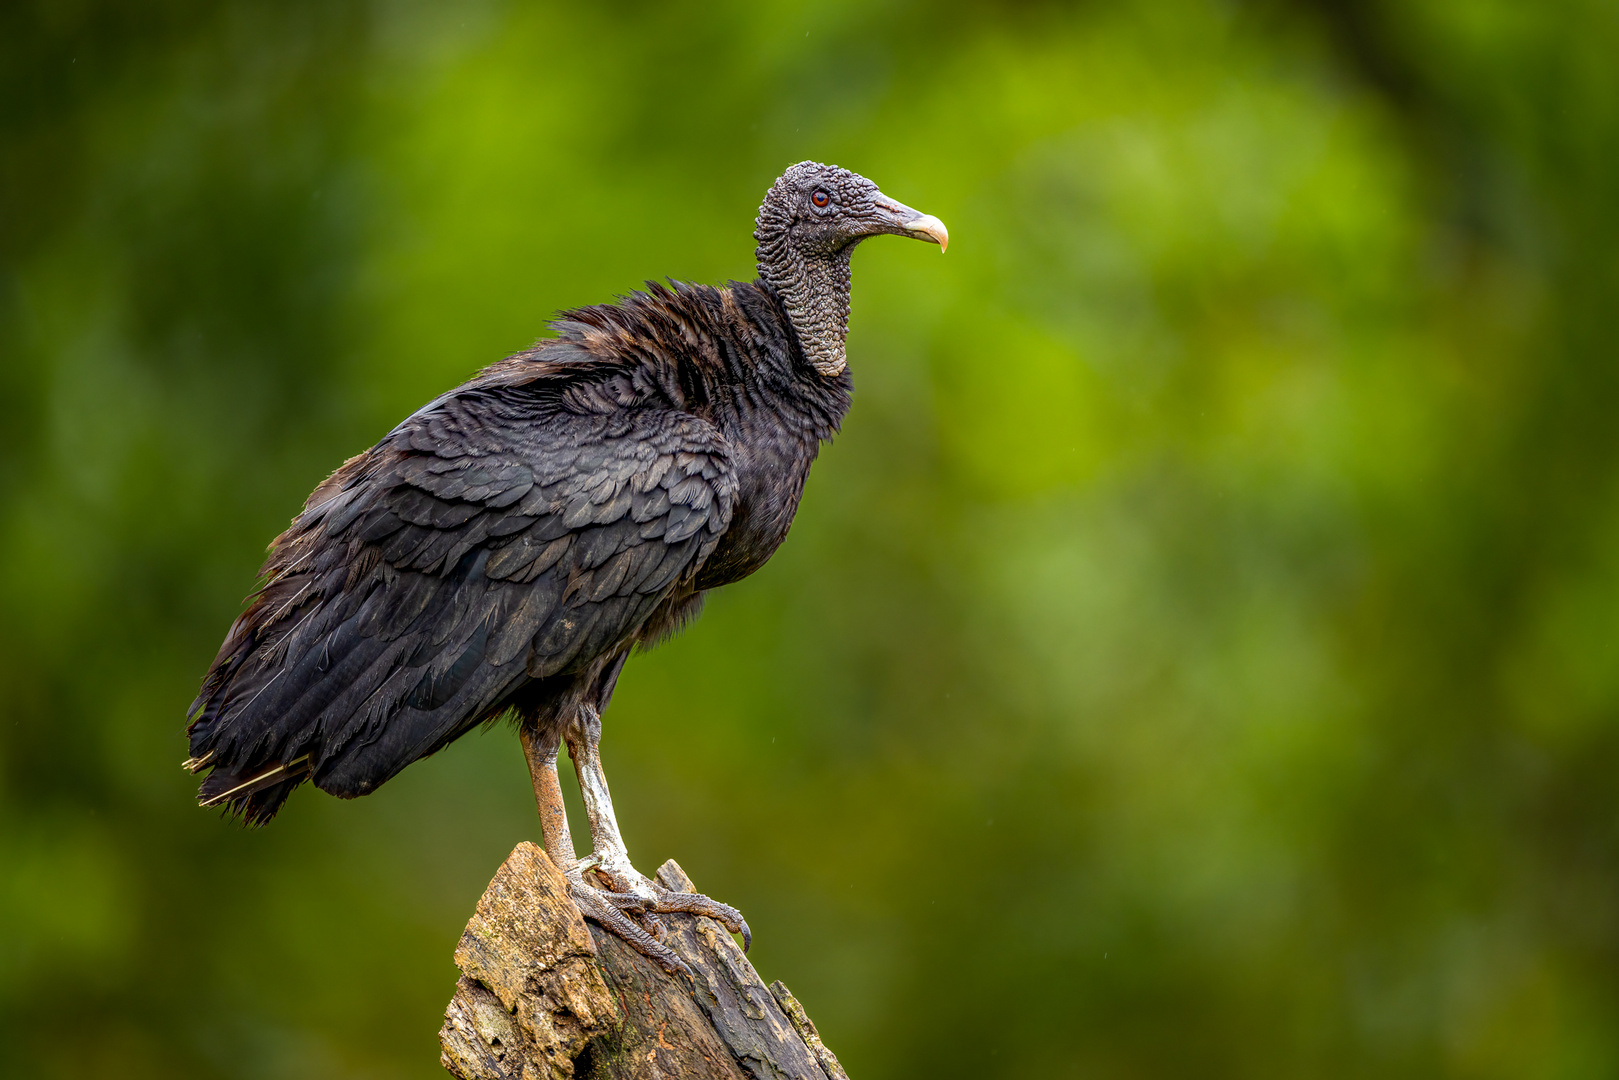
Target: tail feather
x=254, y=798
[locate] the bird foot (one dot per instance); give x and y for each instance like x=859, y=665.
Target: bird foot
x=618, y=898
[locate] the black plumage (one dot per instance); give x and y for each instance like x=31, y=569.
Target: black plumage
x=506, y=545
x=566, y=503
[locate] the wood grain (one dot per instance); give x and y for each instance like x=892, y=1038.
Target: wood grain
x=545, y=995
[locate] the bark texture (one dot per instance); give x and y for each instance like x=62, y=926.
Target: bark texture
x=531, y=994
x=545, y=995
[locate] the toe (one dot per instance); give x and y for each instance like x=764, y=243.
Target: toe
x=698, y=904
x=625, y=902
x=607, y=914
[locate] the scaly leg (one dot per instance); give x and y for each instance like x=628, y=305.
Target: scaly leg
x=540, y=748
x=541, y=751
x=627, y=893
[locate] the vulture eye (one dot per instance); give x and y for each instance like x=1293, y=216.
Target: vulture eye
x=820, y=198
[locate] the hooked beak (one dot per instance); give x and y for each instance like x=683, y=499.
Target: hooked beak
x=904, y=221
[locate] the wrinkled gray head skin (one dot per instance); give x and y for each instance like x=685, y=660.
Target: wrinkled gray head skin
x=809, y=224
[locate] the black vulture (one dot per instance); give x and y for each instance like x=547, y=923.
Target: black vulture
x=502, y=549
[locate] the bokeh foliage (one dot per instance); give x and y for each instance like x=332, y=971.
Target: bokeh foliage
x=1198, y=656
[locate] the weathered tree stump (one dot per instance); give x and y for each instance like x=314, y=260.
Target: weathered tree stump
x=545, y=995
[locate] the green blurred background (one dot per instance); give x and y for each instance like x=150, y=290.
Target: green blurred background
x=1199, y=655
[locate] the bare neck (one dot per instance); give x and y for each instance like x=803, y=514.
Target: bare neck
x=814, y=290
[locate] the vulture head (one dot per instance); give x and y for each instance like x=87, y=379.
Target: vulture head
x=809, y=224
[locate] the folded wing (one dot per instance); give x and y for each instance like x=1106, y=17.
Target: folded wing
x=496, y=537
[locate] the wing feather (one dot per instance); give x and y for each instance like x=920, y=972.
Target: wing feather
x=489, y=528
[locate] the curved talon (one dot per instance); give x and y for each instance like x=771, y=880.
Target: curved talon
x=698, y=904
